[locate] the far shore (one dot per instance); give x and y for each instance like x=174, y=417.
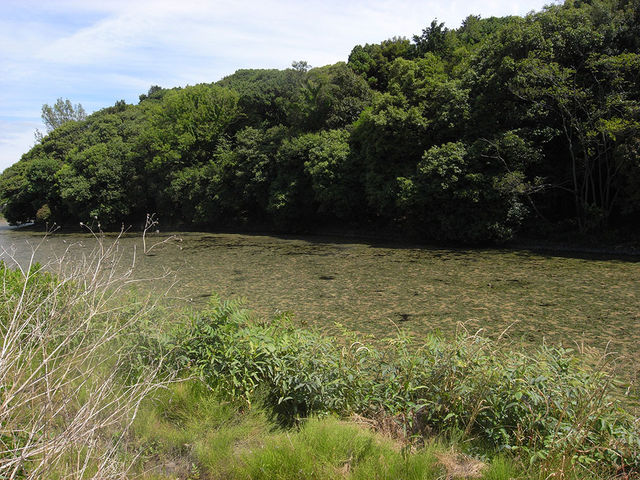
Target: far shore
x=588, y=247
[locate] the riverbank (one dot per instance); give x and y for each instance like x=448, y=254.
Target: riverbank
x=556, y=244
x=258, y=385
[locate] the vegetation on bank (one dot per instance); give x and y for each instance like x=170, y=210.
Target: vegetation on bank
x=470, y=134
x=66, y=397
x=89, y=389
x=544, y=407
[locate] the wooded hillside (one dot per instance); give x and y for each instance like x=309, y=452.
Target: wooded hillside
x=472, y=134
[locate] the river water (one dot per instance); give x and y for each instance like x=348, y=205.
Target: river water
x=376, y=289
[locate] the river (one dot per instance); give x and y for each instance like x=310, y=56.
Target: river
x=376, y=289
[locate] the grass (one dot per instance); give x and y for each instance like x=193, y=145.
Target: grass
x=544, y=406
x=66, y=403
x=88, y=391
x=190, y=432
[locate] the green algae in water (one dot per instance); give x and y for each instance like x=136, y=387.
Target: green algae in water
x=375, y=289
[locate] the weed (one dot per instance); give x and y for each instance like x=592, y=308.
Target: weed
x=64, y=408
x=542, y=405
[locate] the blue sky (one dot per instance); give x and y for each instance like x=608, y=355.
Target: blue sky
x=98, y=52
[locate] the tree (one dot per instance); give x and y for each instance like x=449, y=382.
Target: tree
x=453, y=196
x=63, y=111
x=266, y=97
x=372, y=62
x=445, y=136
x=300, y=66
x=599, y=122
x=584, y=85
x=433, y=39
x=329, y=97
x=332, y=173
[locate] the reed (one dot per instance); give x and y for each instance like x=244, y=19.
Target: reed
x=66, y=400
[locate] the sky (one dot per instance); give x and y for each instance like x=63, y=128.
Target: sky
x=98, y=52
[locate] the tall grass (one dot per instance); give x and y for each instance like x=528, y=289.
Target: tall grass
x=192, y=432
x=66, y=399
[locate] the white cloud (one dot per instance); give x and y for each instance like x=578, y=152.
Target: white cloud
x=15, y=139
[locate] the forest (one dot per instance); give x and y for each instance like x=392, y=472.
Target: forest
x=501, y=127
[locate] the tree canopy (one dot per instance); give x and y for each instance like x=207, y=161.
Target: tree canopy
x=469, y=134
x=61, y=112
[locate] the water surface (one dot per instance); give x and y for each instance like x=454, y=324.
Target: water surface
x=375, y=289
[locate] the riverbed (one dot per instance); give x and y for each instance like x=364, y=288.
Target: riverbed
x=579, y=301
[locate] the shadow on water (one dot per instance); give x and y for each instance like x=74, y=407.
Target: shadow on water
x=594, y=254
x=446, y=252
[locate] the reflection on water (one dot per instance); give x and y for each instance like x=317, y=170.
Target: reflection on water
x=374, y=289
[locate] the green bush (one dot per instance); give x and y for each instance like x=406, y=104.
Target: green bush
x=300, y=372
x=543, y=405
x=43, y=214
x=14, y=281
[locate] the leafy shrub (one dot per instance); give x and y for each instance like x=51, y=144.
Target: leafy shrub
x=15, y=281
x=543, y=405
x=43, y=214
x=300, y=371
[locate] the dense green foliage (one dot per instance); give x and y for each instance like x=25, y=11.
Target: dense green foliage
x=470, y=134
x=543, y=406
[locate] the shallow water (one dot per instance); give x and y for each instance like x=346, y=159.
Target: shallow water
x=375, y=289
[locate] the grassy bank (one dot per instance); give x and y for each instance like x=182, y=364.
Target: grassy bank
x=93, y=386
x=190, y=432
